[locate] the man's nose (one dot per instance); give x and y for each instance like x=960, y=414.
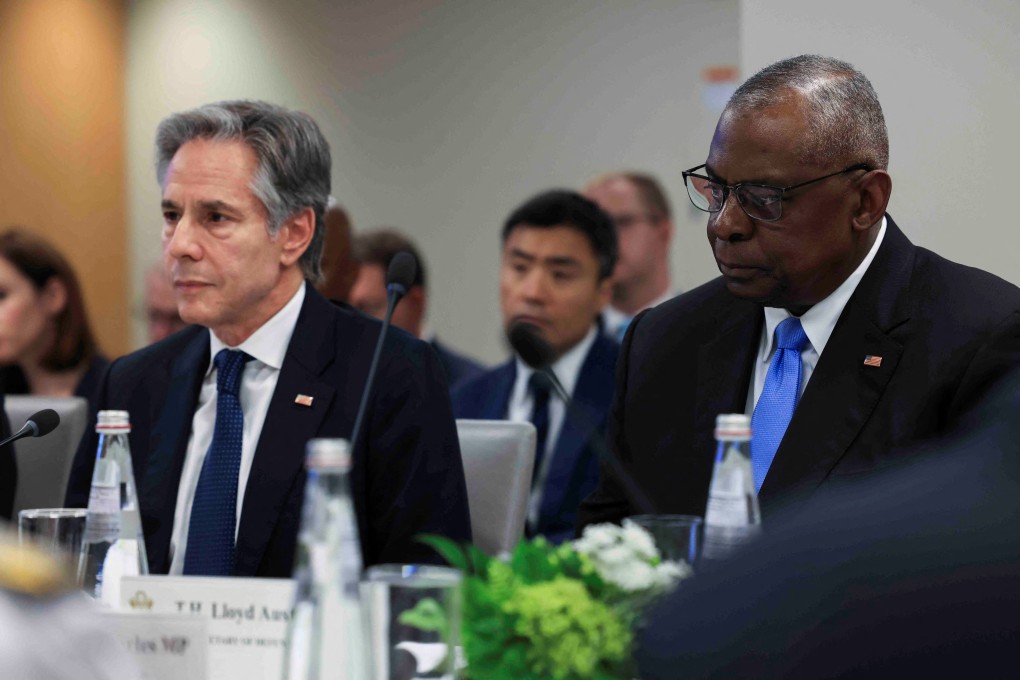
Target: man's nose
x=183, y=242
x=731, y=223
x=535, y=285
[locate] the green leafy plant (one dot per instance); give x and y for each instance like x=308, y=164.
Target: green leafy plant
x=565, y=612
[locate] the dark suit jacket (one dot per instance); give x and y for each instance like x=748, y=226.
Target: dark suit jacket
x=8, y=466
x=944, y=333
x=407, y=478
x=573, y=470
x=457, y=367
x=911, y=574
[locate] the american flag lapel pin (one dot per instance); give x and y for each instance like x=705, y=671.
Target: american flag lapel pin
x=872, y=360
x=303, y=400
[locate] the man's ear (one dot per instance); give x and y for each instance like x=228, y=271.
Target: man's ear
x=874, y=189
x=295, y=235
x=54, y=295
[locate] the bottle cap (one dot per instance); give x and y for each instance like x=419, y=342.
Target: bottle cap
x=732, y=426
x=328, y=454
x=113, y=421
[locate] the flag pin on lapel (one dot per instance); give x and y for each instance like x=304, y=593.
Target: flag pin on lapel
x=872, y=360
x=303, y=400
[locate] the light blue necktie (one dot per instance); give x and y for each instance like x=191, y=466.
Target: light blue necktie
x=778, y=398
x=214, y=510
x=621, y=331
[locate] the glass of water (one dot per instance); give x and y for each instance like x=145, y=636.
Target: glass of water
x=412, y=619
x=58, y=530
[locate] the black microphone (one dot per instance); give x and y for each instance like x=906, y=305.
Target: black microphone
x=399, y=279
x=39, y=424
x=533, y=350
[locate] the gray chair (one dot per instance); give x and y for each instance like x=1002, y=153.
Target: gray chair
x=498, y=458
x=44, y=464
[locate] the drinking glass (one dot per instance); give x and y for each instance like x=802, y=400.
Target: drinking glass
x=678, y=537
x=412, y=621
x=58, y=530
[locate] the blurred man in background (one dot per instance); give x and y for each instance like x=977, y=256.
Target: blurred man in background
x=644, y=229
x=339, y=270
x=559, y=250
x=373, y=252
x=161, y=314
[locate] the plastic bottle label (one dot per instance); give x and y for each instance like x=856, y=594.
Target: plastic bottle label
x=102, y=522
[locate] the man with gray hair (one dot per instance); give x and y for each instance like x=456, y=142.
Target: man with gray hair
x=841, y=339
x=221, y=411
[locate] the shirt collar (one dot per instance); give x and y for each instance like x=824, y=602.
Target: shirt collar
x=614, y=317
x=568, y=367
x=819, y=321
x=269, y=343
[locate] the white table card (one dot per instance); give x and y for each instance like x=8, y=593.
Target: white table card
x=165, y=646
x=246, y=618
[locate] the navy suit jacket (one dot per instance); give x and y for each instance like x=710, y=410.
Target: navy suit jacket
x=457, y=367
x=573, y=470
x=406, y=478
x=944, y=333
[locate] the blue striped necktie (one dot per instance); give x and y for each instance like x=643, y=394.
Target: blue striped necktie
x=778, y=398
x=212, y=526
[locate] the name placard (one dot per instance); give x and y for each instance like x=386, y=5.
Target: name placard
x=165, y=646
x=246, y=618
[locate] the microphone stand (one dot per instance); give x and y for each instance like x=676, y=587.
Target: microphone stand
x=630, y=487
x=394, y=292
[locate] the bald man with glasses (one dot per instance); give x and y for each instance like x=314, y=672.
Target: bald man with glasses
x=841, y=339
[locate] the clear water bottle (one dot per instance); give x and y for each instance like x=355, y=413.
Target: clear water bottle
x=325, y=635
x=113, y=545
x=732, y=516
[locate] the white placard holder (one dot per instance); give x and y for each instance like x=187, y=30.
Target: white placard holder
x=165, y=646
x=246, y=618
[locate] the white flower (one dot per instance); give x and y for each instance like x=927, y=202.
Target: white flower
x=639, y=540
x=627, y=557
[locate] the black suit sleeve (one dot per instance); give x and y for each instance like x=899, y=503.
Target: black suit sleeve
x=999, y=354
x=415, y=475
x=608, y=502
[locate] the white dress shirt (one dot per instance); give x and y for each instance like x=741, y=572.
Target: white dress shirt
x=567, y=369
x=267, y=346
x=818, y=323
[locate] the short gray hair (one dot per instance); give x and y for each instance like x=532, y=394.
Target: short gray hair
x=293, y=160
x=847, y=124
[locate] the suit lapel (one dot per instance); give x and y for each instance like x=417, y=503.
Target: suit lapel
x=180, y=380
x=724, y=369
x=497, y=396
x=279, y=456
x=592, y=396
x=843, y=390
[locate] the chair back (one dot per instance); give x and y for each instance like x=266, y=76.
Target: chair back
x=498, y=459
x=44, y=463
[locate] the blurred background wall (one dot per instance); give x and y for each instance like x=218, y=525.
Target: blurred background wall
x=62, y=152
x=445, y=114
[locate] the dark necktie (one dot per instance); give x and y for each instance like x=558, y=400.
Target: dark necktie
x=538, y=386
x=214, y=509
x=778, y=398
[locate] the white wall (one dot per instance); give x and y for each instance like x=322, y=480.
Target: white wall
x=443, y=116
x=948, y=77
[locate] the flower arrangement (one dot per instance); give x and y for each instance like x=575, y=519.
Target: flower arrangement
x=565, y=612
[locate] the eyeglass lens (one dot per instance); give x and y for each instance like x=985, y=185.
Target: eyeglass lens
x=764, y=203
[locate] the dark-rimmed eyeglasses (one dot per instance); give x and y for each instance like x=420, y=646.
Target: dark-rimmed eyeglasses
x=759, y=201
